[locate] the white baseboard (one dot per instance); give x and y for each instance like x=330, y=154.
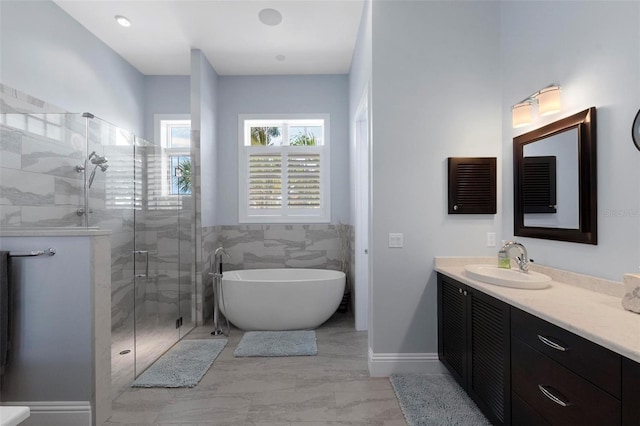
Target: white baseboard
x=383, y=365
x=56, y=413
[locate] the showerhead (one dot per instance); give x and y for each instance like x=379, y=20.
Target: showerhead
x=99, y=160
x=103, y=167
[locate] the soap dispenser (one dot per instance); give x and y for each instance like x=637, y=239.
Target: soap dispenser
x=503, y=259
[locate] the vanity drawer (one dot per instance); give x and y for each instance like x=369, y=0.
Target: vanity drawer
x=523, y=415
x=558, y=395
x=587, y=359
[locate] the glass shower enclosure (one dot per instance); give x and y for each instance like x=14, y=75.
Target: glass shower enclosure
x=77, y=170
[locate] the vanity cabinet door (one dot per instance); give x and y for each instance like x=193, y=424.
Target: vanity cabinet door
x=452, y=328
x=473, y=343
x=490, y=360
x=630, y=392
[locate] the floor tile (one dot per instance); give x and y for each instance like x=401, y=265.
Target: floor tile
x=293, y=406
x=330, y=389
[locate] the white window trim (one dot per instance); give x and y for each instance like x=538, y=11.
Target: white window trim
x=322, y=215
x=167, y=151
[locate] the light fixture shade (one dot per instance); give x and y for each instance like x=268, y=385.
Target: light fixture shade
x=549, y=100
x=521, y=114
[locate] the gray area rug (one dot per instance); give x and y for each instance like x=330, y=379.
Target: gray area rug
x=183, y=365
x=277, y=343
x=435, y=399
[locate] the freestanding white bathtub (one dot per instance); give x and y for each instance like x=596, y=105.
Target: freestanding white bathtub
x=280, y=299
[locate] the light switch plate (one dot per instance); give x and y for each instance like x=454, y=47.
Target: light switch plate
x=396, y=240
x=491, y=239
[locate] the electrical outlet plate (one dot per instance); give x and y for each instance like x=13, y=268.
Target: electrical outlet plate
x=396, y=240
x=491, y=239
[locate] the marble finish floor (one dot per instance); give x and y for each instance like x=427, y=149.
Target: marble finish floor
x=333, y=388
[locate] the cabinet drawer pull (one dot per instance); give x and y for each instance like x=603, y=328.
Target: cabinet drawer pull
x=552, y=344
x=546, y=391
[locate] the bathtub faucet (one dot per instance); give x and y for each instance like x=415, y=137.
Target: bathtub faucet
x=217, y=291
x=217, y=259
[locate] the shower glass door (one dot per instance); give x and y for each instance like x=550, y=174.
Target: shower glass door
x=157, y=258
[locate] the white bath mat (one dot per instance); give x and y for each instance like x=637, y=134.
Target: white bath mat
x=277, y=343
x=183, y=365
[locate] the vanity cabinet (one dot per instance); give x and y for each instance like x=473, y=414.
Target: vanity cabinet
x=524, y=371
x=473, y=343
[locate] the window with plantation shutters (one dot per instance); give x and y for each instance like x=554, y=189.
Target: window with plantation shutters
x=303, y=180
x=265, y=181
x=284, y=169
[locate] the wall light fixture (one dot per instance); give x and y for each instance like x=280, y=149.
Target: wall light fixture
x=548, y=100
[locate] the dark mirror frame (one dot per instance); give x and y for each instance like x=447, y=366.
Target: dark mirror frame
x=585, y=122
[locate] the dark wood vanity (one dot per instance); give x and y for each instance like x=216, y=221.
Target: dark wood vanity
x=521, y=370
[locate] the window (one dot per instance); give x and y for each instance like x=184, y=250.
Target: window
x=174, y=133
x=284, y=169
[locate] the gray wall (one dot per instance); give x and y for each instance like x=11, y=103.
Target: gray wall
x=359, y=81
x=436, y=94
x=47, y=54
x=593, y=51
x=204, y=98
x=282, y=94
x=208, y=142
x=164, y=94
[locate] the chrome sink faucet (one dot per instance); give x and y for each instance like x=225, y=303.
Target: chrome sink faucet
x=522, y=259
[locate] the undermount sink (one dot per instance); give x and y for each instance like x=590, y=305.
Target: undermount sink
x=514, y=278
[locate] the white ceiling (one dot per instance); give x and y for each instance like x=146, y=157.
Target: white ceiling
x=315, y=36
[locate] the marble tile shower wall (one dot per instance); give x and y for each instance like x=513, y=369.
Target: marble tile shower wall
x=39, y=185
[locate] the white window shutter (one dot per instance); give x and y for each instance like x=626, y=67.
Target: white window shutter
x=303, y=180
x=265, y=181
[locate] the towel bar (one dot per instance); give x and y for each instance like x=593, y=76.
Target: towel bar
x=47, y=252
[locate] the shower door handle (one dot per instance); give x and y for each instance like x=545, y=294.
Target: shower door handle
x=146, y=268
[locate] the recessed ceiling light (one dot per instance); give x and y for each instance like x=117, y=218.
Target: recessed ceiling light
x=270, y=17
x=122, y=20
x=280, y=58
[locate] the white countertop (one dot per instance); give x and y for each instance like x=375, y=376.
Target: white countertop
x=12, y=416
x=595, y=315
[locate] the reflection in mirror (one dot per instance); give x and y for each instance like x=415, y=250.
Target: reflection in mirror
x=555, y=194
x=551, y=184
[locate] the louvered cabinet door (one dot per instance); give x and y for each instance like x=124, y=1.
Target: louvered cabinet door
x=472, y=185
x=489, y=356
x=452, y=328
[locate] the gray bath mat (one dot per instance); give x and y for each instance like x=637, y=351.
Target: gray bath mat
x=434, y=400
x=277, y=343
x=183, y=365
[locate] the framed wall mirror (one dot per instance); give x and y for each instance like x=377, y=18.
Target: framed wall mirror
x=555, y=182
